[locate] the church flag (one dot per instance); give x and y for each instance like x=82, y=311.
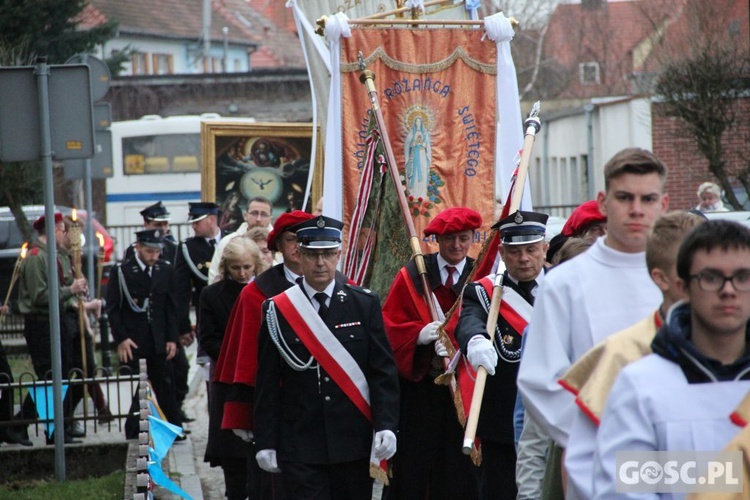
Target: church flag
x=435, y=88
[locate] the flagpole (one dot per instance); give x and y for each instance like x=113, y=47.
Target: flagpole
x=368, y=79
x=533, y=125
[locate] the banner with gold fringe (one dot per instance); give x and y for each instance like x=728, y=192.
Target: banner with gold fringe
x=437, y=95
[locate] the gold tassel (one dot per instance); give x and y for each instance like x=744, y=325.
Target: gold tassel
x=379, y=474
x=476, y=455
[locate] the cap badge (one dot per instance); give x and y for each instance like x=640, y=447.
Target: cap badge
x=321, y=223
x=519, y=218
x=157, y=234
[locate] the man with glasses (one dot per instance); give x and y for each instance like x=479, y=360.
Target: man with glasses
x=238, y=359
x=258, y=214
x=327, y=392
x=681, y=396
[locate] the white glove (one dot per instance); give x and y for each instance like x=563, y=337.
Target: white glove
x=440, y=349
x=481, y=352
x=428, y=333
x=384, y=445
x=246, y=436
x=267, y=460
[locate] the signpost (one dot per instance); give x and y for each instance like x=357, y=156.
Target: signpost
x=46, y=113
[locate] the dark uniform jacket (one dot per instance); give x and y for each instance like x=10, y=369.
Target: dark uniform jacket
x=188, y=284
x=215, y=305
x=149, y=330
x=496, y=417
x=304, y=415
x=238, y=360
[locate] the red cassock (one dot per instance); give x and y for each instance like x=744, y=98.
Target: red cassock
x=405, y=312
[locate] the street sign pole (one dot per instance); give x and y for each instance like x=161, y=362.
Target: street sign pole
x=42, y=72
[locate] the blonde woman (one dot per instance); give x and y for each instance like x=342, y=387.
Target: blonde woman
x=241, y=261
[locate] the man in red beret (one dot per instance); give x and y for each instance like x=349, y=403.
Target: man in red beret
x=237, y=364
x=586, y=221
x=429, y=462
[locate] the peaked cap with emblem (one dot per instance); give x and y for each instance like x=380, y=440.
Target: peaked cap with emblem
x=201, y=210
x=153, y=238
x=319, y=233
x=522, y=228
x=155, y=212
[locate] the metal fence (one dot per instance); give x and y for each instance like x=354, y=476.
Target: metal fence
x=117, y=389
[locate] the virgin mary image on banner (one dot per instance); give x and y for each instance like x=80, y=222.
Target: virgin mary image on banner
x=417, y=155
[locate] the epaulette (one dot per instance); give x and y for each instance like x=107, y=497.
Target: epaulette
x=357, y=288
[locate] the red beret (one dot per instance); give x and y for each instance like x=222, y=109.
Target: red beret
x=454, y=220
x=284, y=222
x=587, y=213
x=38, y=224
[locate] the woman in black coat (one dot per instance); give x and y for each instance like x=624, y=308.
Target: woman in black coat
x=240, y=262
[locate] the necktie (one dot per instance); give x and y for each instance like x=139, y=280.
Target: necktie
x=323, y=309
x=148, y=271
x=212, y=243
x=449, y=280
x=527, y=287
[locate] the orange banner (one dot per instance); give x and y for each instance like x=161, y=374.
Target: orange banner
x=437, y=95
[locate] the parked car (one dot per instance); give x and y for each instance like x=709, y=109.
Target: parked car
x=11, y=241
x=742, y=216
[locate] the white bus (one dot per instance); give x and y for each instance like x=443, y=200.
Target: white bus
x=154, y=159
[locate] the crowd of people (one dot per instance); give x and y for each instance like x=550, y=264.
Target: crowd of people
x=627, y=332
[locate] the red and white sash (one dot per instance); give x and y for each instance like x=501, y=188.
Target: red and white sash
x=325, y=347
x=331, y=355
x=513, y=308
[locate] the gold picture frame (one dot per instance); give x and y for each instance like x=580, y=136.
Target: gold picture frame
x=242, y=160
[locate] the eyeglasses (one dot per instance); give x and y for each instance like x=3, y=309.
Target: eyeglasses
x=255, y=214
x=327, y=254
x=713, y=281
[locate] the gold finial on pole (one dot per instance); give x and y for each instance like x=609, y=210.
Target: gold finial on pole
x=99, y=265
x=74, y=237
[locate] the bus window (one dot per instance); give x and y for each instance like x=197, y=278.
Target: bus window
x=159, y=154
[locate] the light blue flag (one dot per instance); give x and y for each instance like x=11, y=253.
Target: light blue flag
x=158, y=476
x=163, y=435
x=45, y=406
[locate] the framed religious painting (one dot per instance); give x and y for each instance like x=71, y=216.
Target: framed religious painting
x=243, y=160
